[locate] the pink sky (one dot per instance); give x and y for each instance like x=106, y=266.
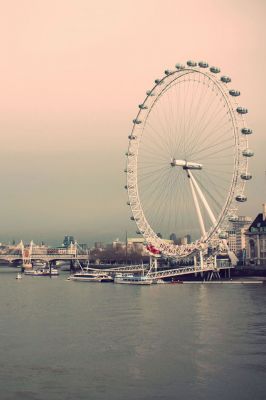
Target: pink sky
x=72, y=75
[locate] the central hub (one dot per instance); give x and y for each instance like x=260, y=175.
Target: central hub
x=185, y=164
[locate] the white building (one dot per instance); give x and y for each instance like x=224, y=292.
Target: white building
x=256, y=240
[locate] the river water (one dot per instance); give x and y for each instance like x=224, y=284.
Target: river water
x=63, y=340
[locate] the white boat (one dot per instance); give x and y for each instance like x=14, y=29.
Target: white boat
x=39, y=264
x=19, y=275
x=42, y=272
x=131, y=279
x=84, y=276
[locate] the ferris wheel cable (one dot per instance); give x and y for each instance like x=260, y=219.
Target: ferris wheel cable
x=203, y=149
x=159, y=135
x=193, y=142
x=149, y=174
x=186, y=91
x=160, y=205
x=151, y=154
x=214, y=180
x=221, y=124
x=211, y=129
x=216, y=205
x=188, y=127
x=208, y=122
x=218, y=189
x=150, y=182
x=217, y=175
x=156, y=184
x=200, y=106
x=217, y=152
x=214, y=200
x=162, y=118
x=191, y=127
x=203, y=129
x=219, y=192
x=219, y=149
x=180, y=119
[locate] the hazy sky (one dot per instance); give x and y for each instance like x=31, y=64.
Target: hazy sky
x=72, y=73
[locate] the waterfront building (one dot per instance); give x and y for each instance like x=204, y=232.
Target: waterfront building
x=137, y=245
x=232, y=241
x=240, y=225
x=256, y=240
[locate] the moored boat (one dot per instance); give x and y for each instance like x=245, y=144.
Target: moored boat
x=84, y=276
x=42, y=272
x=132, y=279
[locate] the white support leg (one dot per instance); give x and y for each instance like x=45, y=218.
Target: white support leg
x=204, y=201
x=202, y=227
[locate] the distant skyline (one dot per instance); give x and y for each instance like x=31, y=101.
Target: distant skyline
x=72, y=76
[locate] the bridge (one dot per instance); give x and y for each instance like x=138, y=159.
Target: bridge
x=30, y=253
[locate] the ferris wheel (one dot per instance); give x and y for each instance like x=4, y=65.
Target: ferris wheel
x=187, y=160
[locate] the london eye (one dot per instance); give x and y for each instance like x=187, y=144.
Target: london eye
x=187, y=159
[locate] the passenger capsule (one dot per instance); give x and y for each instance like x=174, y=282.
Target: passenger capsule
x=246, y=131
x=132, y=218
x=129, y=154
x=180, y=66
x=246, y=176
x=242, y=110
x=168, y=72
x=203, y=64
x=143, y=107
x=215, y=70
x=158, y=81
x=137, y=121
x=138, y=232
x=234, y=93
x=223, y=235
x=150, y=93
x=248, y=153
x=191, y=63
x=132, y=137
x=128, y=203
x=241, y=198
x=225, y=79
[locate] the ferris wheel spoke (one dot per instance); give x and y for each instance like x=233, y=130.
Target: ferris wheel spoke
x=199, y=114
x=213, y=131
x=159, y=138
x=217, y=189
x=208, y=147
x=202, y=130
x=209, y=136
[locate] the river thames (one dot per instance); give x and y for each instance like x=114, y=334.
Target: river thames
x=64, y=340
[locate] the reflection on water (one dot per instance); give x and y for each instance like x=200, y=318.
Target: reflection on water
x=65, y=340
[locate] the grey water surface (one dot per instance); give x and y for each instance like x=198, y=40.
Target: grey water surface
x=76, y=340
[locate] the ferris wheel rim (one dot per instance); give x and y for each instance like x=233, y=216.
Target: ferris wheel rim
x=236, y=185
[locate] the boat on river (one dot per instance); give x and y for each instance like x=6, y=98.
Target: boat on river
x=42, y=272
x=84, y=276
x=132, y=279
